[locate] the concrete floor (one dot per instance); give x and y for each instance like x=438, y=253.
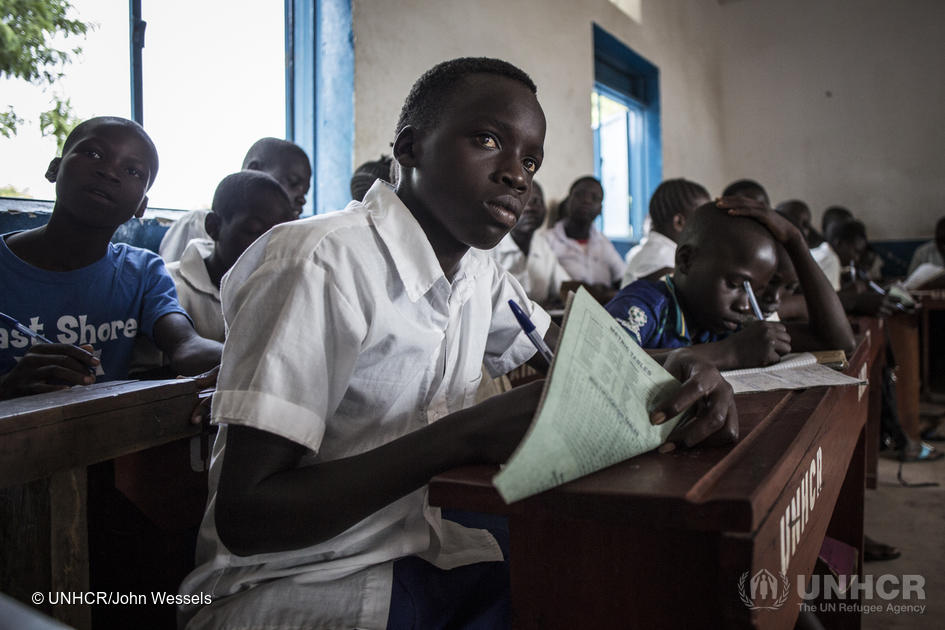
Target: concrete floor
x=912, y=519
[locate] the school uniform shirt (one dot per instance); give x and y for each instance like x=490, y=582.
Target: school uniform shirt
x=196, y=292
x=539, y=273
x=106, y=304
x=926, y=253
x=829, y=263
x=595, y=262
x=181, y=232
x=654, y=252
x=650, y=312
x=343, y=334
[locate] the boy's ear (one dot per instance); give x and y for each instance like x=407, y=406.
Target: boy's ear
x=142, y=207
x=679, y=221
x=684, y=255
x=212, y=225
x=406, y=148
x=53, y=171
x=252, y=166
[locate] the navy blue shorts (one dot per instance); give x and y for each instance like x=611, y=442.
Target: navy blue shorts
x=472, y=597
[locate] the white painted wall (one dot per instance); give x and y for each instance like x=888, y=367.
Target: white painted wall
x=743, y=87
x=839, y=102
x=397, y=40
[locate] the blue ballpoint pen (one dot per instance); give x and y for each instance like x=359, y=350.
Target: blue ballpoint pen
x=753, y=301
x=530, y=332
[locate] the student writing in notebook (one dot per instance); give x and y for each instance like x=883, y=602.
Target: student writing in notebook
x=705, y=303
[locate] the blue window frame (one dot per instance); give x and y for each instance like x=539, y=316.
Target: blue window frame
x=625, y=118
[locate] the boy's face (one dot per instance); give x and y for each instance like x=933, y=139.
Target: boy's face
x=294, y=173
x=710, y=280
x=471, y=171
x=234, y=233
x=585, y=201
x=103, y=179
x=784, y=282
x=849, y=250
x=534, y=213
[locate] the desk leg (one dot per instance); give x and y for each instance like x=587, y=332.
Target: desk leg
x=43, y=538
x=846, y=525
x=904, y=336
x=874, y=419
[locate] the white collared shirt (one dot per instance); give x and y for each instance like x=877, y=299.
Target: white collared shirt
x=654, y=252
x=343, y=335
x=539, y=273
x=596, y=262
x=196, y=292
x=829, y=263
x=182, y=231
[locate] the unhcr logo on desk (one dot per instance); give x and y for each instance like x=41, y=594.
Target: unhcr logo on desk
x=763, y=591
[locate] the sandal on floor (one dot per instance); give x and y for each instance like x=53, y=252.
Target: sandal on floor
x=920, y=452
x=875, y=551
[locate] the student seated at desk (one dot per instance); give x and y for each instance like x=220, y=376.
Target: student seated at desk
x=671, y=204
x=586, y=254
x=354, y=350
x=284, y=160
x=525, y=253
x=932, y=252
x=747, y=188
x=245, y=205
x=724, y=245
x=66, y=281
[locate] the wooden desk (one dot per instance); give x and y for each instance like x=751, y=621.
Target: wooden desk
x=903, y=331
x=665, y=540
x=929, y=301
x=46, y=443
x=872, y=332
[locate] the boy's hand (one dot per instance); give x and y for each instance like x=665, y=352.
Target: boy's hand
x=48, y=367
x=206, y=383
x=506, y=417
x=714, y=400
x=783, y=230
x=758, y=343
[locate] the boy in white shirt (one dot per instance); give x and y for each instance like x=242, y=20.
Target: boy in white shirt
x=354, y=347
x=671, y=204
x=245, y=205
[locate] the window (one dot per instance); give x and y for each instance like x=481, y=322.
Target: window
x=625, y=115
x=215, y=76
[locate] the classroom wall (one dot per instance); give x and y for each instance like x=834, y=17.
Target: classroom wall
x=839, y=102
x=397, y=40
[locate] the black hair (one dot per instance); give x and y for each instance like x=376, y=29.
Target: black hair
x=426, y=98
x=845, y=231
x=672, y=197
x=746, y=188
x=369, y=172
x=84, y=128
x=267, y=150
x=790, y=209
x=237, y=189
x=831, y=215
x=710, y=226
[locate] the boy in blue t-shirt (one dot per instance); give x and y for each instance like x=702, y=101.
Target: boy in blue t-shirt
x=705, y=303
x=67, y=282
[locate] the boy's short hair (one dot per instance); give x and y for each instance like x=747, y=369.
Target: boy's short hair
x=85, y=127
x=426, y=97
x=834, y=214
x=845, y=231
x=369, y=172
x=235, y=189
x=791, y=209
x=672, y=197
x=746, y=188
x=268, y=150
x=708, y=223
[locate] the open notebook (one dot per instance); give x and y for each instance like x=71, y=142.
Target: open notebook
x=794, y=371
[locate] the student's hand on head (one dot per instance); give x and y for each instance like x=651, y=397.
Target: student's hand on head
x=757, y=344
x=49, y=367
x=783, y=230
x=712, y=399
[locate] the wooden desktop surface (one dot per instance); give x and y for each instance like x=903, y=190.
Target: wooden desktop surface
x=46, y=443
x=663, y=540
